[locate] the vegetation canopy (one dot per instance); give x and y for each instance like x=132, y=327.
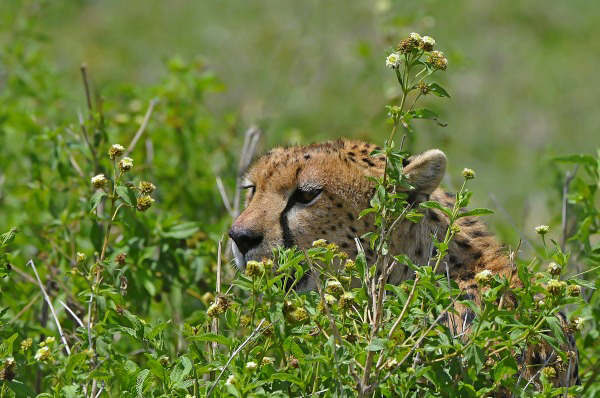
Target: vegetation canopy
x=116, y=277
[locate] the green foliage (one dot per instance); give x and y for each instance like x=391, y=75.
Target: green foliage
x=132, y=280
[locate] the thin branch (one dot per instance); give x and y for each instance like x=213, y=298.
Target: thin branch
x=315, y=275
x=86, y=86
x=215, y=322
x=84, y=133
x=79, y=322
x=234, y=354
x=142, y=128
x=27, y=306
x=408, y=300
x=76, y=166
x=224, y=197
x=47, y=298
x=565, y=193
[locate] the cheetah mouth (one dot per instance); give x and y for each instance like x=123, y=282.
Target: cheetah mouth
x=240, y=259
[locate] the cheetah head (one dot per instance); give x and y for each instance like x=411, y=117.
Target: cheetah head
x=299, y=194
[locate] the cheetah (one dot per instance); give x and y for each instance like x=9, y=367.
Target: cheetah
x=298, y=194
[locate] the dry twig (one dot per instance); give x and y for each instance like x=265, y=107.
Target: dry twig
x=47, y=298
x=142, y=128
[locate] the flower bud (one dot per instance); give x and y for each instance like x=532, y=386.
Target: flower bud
x=207, y=297
x=577, y=323
x=390, y=364
x=332, y=247
x=99, y=181
x=293, y=362
x=147, y=187
x=542, y=229
x=574, y=290
x=423, y=88
x=164, y=360
x=144, y=202
x=484, y=277
x=268, y=264
x=393, y=61
x=26, y=344
x=125, y=164
x=218, y=307
x=554, y=269
x=81, y=257
x=254, y=268
x=7, y=370
x=334, y=287
x=230, y=380
x=115, y=151
x=427, y=43
x=329, y=299
x=437, y=60
x=468, y=174
x=549, y=372
x=43, y=354
x=251, y=365
x=349, y=265
x=415, y=39
x=346, y=300
x=245, y=320
x=294, y=314
x=319, y=243
x=268, y=361
x=556, y=287
x=120, y=258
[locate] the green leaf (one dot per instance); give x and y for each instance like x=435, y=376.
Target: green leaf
x=430, y=204
x=212, y=337
x=7, y=237
x=287, y=377
x=377, y=344
x=556, y=328
x=20, y=389
x=181, y=370
x=424, y=113
x=578, y=158
x=475, y=212
x=583, y=282
x=505, y=368
x=438, y=90
x=74, y=361
x=127, y=195
x=6, y=348
x=475, y=354
x=95, y=200
x=96, y=236
x=71, y=391
x=139, y=385
x=181, y=231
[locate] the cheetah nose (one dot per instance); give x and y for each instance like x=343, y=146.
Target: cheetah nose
x=245, y=239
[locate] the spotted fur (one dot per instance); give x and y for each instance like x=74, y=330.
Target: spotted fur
x=276, y=215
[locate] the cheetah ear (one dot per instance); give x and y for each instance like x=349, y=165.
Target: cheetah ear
x=425, y=171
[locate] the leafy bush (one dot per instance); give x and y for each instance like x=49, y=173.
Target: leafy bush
x=135, y=305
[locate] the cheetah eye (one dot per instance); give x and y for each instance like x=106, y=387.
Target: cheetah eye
x=305, y=195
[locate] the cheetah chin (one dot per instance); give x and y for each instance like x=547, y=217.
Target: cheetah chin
x=299, y=194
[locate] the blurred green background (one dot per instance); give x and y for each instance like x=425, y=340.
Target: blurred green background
x=521, y=76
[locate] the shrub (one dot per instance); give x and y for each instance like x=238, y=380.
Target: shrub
x=130, y=296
